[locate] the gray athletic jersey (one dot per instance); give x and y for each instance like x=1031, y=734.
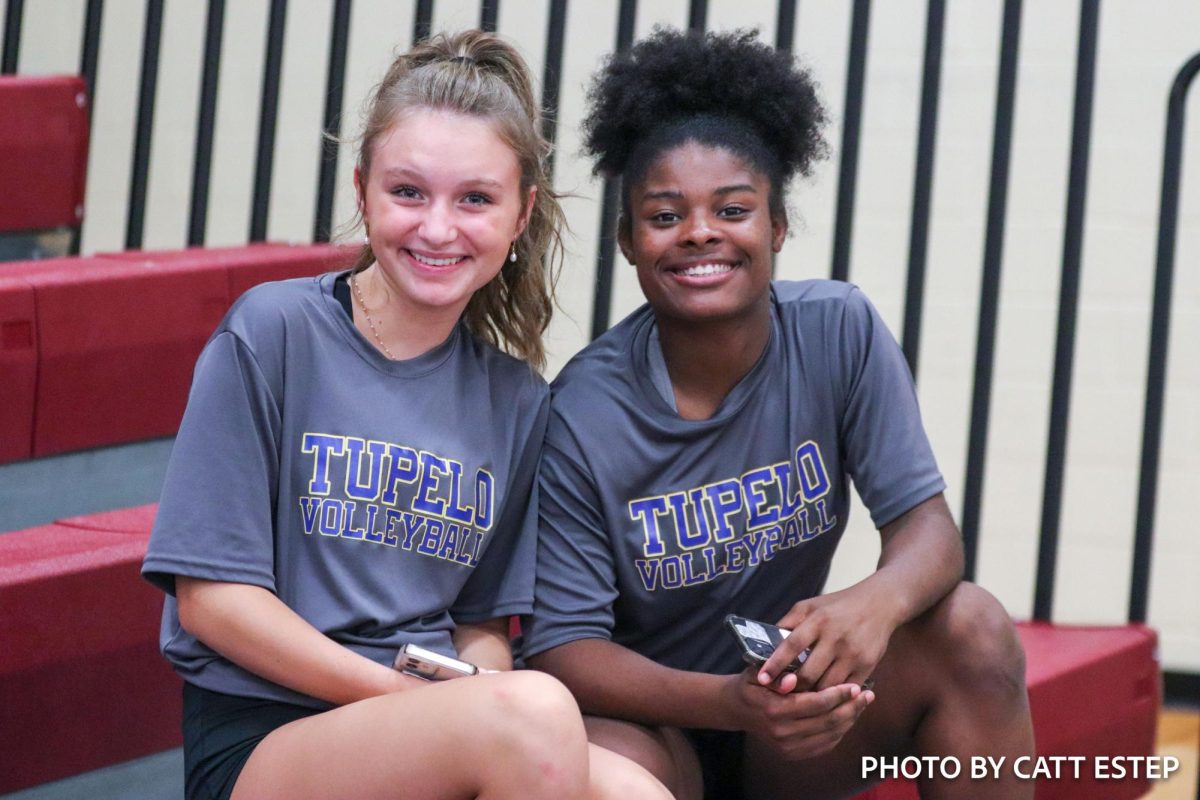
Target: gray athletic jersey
x=653, y=527
x=384, y=501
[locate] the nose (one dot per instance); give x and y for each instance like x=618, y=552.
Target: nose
x=438, y=226
x=700, y=231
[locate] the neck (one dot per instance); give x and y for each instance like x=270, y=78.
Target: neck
x=706, y=360
x=406, y=329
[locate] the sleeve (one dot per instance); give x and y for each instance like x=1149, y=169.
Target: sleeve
x=576, y=577
x=886, y=451
x=215, y=517
x=501, y=585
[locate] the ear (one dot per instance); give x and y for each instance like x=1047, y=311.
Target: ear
x=779, y=229
x=358, y=191
x=527, y=212
x=625, y=238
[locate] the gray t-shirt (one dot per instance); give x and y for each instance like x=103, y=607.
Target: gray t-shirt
x=384, y=501
x=654, y=527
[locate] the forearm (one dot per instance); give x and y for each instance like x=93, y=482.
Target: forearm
x=485, y=644
x=613, y=681
x=920, y=562
x=255, y=630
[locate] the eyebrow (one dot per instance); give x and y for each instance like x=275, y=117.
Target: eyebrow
x=675, y=194
x=403, y=172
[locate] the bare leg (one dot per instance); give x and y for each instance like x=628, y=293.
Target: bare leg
x=510, y=735
x=951, y=684
x=664, y=752
x=615, y=777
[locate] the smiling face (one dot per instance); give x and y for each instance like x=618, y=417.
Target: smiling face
x=701, y=235
x=442, y=203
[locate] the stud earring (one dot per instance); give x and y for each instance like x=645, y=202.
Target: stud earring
x=512, y=254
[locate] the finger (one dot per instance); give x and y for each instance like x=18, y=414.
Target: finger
x=836, y=673
x=790, y=650
x=796, y=615
x=816, y=704
x=786, y=683
x=815, y=665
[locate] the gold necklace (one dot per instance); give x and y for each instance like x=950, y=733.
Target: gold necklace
x=370, y=322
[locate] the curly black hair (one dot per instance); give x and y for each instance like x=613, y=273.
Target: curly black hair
x=724, y=89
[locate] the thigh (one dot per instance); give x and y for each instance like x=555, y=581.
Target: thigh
x=664, y=752
x=449, y=740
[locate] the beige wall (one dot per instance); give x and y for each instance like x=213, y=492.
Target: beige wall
x=1139, y=53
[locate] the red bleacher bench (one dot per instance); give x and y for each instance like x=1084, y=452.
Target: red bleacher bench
x=43, y=152
x=1093, y=692
x=101, y=349
x=82, y=684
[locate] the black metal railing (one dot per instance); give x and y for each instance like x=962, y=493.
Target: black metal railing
x=852, y=111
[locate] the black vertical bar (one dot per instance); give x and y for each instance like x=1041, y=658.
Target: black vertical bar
x=552, y=76
x=88, y=59
x=609, y=207
x=151, y=39
x=423, y=21
x=268, y=112
x=489, y=14
x=334, y=90
x=12, y=36
x=698, y=15
x=1160, y=328
x=856, y=68
x=1068, y=301
x=202, y=166
x=785, y=25
x=918, y=238
x=989, y=289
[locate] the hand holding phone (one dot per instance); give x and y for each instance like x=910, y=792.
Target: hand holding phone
x=758, y=640
x=422, y=663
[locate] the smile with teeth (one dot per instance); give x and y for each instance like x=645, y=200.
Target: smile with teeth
x=435, y=262
x=702, y=270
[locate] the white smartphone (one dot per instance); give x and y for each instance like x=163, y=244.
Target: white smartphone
x=421, y=663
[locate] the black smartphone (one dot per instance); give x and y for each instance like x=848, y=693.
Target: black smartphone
x=758, y=640
x=419, y=662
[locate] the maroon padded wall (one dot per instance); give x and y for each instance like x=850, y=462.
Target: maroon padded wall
x=18, y=366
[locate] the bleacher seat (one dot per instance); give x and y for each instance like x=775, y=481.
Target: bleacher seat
x=43, y=158
x=82, y=684
x=108, y=356
x=1093, y=691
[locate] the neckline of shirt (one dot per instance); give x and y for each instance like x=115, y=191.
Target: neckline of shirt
x=415, y=367
x=649, y=368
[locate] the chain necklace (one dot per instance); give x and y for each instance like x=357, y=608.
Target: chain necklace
x=370, y=322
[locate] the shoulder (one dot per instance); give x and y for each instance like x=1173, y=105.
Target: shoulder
x=508, y=377
x=262, y=315
x=823, y=302
x=601, y=367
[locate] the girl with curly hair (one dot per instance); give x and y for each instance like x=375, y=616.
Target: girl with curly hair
x=355, y=474
x=698, y=463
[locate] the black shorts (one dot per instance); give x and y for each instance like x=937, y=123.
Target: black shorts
x=721, y=755
x=220, y=731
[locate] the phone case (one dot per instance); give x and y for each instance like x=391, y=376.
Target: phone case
x=758, y=640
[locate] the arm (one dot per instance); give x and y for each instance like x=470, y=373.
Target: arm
x=485, y=644
x=613, y=681
x=848, y=631
x=254, y=629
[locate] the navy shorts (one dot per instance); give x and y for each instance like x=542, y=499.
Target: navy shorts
x=220, y=731
x=721, y=755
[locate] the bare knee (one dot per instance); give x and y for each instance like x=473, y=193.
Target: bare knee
x=974, y=638
x=534, y=729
